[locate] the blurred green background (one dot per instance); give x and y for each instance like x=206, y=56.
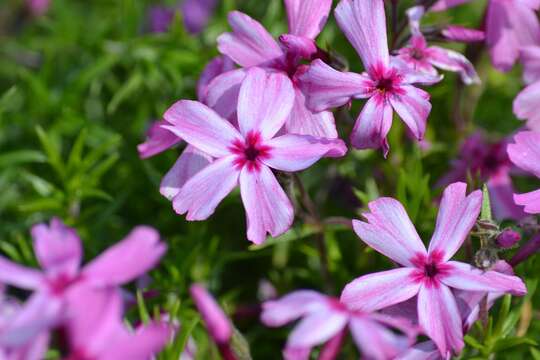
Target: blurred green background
x=78, y=89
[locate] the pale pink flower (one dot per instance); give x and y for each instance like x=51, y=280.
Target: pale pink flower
x=386, y=84
x=490, y=162
x=509, y=25
x=423, y=58
x=324, y=320
x=95, y=329
x=244, y=157
x=527, y=102
x=428, y=275
x=59, y=252
x=250, y=45
x=525, y=154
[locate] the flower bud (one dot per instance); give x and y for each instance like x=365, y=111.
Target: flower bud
x=219, y=327
x=508, y=238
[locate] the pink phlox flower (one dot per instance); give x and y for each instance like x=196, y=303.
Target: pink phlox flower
x=218, y=325
x=423, y=58
x=525, y=153
x=469, y=308
x=429, y=275
x=59, y=252
x=527, y=102
x=324, y=320
x=95, y=329
x=244, y=156
x=387, y=83
x=489, y=160
x=250, y=45
x=509, y=26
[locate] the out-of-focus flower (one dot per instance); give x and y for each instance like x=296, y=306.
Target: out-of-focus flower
x=95, y=329
x=525, y=251
x=191, y=160
x=527, y=102
x=427, y=274
x=508, y=238
x=324, y=320
x=250, y=45
x=510, y=25
x=160, y=18
x=489, y=161
x=462, y=34
x=525, y=153
x=387, y=84
x=59, y=252
x=424, y=59
x=468, y=303
x=245, y=157
x=197, y=13
x=38, y=7
x=218, y=325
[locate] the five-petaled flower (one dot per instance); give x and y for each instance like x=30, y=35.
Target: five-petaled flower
x=245, y=156
x=387, y=83
x=324, y=321
x=427, y=274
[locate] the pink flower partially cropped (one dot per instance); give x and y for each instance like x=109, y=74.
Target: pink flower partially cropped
x=527, y=102
x=510, y=25
x=217, y=323
x=59, y=252
x=525, y=153
x=428, y=275
x=422, y=58
x=324, y=319
x=38, y=7
x=386, y=84
x=250, y=45
x=244, y=157
x=489, y=161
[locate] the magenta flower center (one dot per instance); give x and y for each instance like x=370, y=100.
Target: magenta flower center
x=385, y=85
x=250, y=152
x=60, y=283
x=430, y=270
x=417, y=54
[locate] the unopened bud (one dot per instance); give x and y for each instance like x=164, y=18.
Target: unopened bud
x=508, y=238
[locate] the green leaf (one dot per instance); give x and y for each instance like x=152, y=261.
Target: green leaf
x=508, y=343
x=473, y=342
x=21, y=157
x=486, y=205
x=143, y=311
x=53, y=153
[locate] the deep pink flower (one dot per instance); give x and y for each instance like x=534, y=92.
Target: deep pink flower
x=427, y=274
x=250, y=45
x=59, y=252
x=489, y=161
x=527, y=102
x=95, y=329
x=218, y=325
x=424, y=59
x=324, y=320
x=525, y=153
x=509, y=24
x=245, y=157
x=508, y=238
x=387, y=84
x=192, y=160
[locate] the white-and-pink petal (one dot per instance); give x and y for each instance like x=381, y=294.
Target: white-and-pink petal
x=413, y=107
x=307, y=17
x=373, y=125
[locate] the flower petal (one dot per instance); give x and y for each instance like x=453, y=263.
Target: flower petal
x=265, y=102
x=317, y=328
x=426, y=350
x=19, y=276
x=291, y=306
x=147, y=341
x=379, y=290
x=501, y=193
x=201, y=194
x=222, y=95
x=57, y=247
x=217, y=66
x=453, y=61
x=364, y=24
x=201, y=127
x=132, y=257
x=439, y=317
x=305, y=122
x=372, y=125
x=442, y=5
x=457, y=215
x=413, y=107
x=190, y=162
x=463, y=34
x=268, y=209
x=217, y=323
x=196, y=14
x=530, y=58
x=374, y=340
x=530, y=200
x=298, y=152
x=390, y=231
x=249, y=44
x=327, y=88
x=525, y=152
x=158, y=140
x=307, y=17
x=467, y=277
x=526, y=105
